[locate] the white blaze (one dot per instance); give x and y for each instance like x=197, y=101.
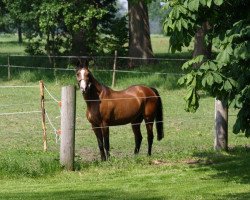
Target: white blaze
x=83, y=84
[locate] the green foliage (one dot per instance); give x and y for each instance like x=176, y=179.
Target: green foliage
x=57, y=23
x=227, y=75
x=34, y=47
x=155, y=12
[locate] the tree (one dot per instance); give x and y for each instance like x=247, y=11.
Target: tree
x=226, y=75
x=139, y=32
x=68, y=27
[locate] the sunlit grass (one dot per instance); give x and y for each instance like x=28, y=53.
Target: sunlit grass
x=9, y=44
x=183, y=165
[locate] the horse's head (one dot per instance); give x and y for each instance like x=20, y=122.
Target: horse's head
x=83, y=76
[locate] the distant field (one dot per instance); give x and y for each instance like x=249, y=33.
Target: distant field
x=183, y=165
x=160, y=45
x=9, y=45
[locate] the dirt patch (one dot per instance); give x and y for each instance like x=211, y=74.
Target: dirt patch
x=161, y=163
x=197, y=162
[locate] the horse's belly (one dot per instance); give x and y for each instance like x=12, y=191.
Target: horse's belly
x=124, y=115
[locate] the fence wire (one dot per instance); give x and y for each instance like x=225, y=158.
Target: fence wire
x=172, y=120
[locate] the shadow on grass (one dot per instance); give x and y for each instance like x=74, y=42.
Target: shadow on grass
x=239, y=196
x=80, y=194
x=231, y=166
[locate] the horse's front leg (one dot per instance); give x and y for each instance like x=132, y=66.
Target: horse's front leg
x=105, y=133
x=99, y=137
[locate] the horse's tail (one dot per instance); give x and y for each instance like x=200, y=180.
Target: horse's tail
x=159, y=116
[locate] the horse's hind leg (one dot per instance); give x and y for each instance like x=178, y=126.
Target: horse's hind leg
x=149, y=126
x=136, y=126
x=99, y=138
x=138, y=137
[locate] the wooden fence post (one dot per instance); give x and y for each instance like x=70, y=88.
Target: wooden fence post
x=41, y=84
x=9, y=75
x=67, y=148
x=221, y=125
x=114, y=69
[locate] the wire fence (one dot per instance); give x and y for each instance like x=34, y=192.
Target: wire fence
x=100, y=63
x=23, y=118
x=11, y=112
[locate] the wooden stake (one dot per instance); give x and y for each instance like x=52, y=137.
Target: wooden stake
x=114, y=70
x=41, y=84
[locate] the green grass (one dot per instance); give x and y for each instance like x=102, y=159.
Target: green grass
x=183, y=165
x=9, y=44
x=160, y=45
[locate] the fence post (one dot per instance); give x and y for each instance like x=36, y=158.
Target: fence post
x=67, y=148
x=114, y=69
x=41, y=84
x=9, y=75
x=221, y=125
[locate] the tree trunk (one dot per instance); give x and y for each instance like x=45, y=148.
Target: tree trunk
x=79, y=47
x=19, y=32
x=221, y=125
x=139, y=32
x=200, y=47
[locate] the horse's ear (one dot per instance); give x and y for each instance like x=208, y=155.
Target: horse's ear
x=86, y=64
x=79, y=63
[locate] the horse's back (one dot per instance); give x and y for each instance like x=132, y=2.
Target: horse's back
x=137, y=90
x=125, y=106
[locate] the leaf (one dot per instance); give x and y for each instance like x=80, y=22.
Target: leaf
x=210, y=79
x=182, y=9
x=227, y=85
x=237, y=101
x=229, y=49
x=193, y=5
x=218, y=2
x=203, y=2
x=184, y=23
x=212, y=66
x=174, y=13
x=181, y=80
x=190, y=78
x=241, y=52
x=233, y=82
x=199, y=58
x=204, y=66
x=217, y=77
x=203, y=82
x=189, y=93
x=192, y=100
x=178, y=25
x=223, y=57
x=209, y=2
x=186, y=65
x=193, y=84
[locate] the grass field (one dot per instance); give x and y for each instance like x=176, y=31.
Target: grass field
x=183, y=165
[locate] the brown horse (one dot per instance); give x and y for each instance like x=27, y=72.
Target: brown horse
x=106, y=107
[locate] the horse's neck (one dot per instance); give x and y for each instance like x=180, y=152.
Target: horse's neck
x=98, y=86
x=95, y=91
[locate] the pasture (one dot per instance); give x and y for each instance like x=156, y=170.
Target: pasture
x=182, y=166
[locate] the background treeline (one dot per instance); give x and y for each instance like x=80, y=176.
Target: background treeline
x=56, y=27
